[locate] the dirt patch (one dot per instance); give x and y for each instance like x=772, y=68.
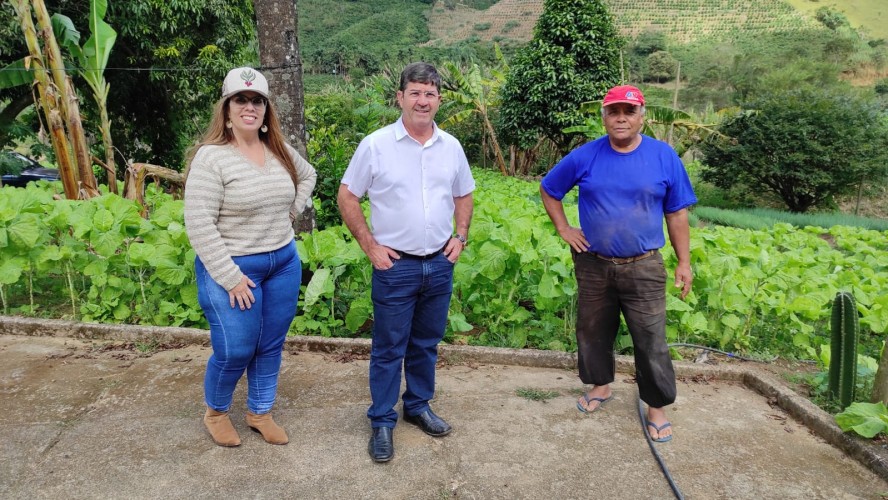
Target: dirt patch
x=506, y=20
x=874, y=204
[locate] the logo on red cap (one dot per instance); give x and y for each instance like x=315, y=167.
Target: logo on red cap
x=623, y=93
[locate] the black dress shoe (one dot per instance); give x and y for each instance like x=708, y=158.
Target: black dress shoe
x=431, y=424
x=381, y=447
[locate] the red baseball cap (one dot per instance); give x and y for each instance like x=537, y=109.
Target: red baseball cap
x=623, y=93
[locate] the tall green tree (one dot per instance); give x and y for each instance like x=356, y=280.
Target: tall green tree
x=661, y=66
x=167, y=67
x=804, y=145
x=574, y=57
x=647, y=42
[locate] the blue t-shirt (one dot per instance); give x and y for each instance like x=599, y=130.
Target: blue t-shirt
x=623, y=197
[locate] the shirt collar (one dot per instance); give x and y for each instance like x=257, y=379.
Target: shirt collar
x=401, y=131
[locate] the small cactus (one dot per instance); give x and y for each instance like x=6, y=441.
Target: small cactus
x=843, y=349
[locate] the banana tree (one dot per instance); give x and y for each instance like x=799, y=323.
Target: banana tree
x=475, y=94
x=658, y=120
x=48, y=100
x=92, y=58
x=57, y=94
x=67, y=100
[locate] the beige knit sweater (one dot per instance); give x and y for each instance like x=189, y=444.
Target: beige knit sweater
x=234, y=207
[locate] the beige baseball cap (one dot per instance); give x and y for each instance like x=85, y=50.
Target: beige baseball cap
x=243, y=79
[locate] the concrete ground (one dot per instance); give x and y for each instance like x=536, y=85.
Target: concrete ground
x=88, y=414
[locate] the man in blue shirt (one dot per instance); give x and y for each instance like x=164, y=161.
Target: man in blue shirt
x=628, y=182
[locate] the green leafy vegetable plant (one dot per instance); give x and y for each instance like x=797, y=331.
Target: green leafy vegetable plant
x=865, y=419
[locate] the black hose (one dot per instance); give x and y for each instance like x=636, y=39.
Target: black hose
x=656, y=453
x=644, y=425
x=737, y=356
x=728, y=354
x=643, y=419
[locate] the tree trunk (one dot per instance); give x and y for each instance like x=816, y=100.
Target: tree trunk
x=67, y=102
x=859, y=193
x=277, y=22
x=88, y=186
x=279, y=56
x=48, y=100
x=669, y=134
x=498, y=154
x=880, y=384
x=110, y=167
x=137, y=175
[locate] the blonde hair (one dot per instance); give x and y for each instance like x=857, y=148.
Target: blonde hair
x=217, y=134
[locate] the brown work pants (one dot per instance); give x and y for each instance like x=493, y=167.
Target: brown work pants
x=638, y=291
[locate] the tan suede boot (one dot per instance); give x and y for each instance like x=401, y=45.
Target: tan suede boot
x=221, y=429
x=264, y=424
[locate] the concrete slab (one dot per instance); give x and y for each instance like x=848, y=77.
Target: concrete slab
x=88, y=418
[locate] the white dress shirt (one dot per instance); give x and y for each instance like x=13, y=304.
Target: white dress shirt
x=411, y=186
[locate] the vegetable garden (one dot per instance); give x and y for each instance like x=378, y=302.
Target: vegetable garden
x=761, y=292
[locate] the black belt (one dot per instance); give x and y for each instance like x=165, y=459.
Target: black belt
x=405, y=255
x=624, y=260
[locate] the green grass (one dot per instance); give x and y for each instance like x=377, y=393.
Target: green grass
x=763, y=218
x=147, y=347
x=535, y=394
x=733, y=218
x=871, y=15
x=820, y=219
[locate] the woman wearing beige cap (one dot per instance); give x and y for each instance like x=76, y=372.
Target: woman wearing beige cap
x=243, y=186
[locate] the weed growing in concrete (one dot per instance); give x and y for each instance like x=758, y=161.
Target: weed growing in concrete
x=147, y=347
x=535, y=394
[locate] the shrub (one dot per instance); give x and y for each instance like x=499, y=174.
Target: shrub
x=572, y=58
x=806, y=146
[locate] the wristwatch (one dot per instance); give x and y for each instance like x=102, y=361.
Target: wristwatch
x=461, y=238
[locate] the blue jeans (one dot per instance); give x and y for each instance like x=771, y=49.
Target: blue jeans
x=410, y=305
x=250, y=340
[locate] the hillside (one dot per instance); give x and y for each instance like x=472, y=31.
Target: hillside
x=355, y=38
x=870, y=15
x=505, y=20
x=681, y=20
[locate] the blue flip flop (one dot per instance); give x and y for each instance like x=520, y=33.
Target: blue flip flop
x=588, y=400
x=658, y=429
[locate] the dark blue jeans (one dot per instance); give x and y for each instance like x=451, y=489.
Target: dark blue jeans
x=638, y=291
x=410, y=304
x=250, y=340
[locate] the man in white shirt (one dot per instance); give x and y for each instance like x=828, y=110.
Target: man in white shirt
x=419, y=184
